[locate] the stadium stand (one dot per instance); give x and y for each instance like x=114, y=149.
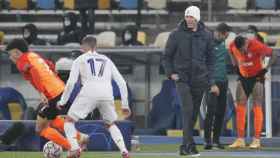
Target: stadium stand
x=46, y=4
x=106, y=39
x=142, y=37
x=128, y=4
x=267, y=4
x=161, y=39
x=2, y=35
x=277, y=44
x=12, y=104
x=16, y=4
x=180, y=5
x=130, y=36
x=104, y=4
x=156, y=4
x=69, y=4
x=237, y=4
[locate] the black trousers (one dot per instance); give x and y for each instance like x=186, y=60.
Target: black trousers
x=216, y=106
x=191, y=99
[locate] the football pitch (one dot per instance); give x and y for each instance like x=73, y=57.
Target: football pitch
x=162, y=151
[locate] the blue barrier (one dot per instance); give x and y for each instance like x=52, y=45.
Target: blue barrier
x=100, y=139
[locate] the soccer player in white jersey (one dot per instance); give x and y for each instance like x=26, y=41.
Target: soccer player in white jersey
x=96, y=72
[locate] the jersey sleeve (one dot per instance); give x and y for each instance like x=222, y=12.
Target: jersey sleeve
x=73, y=78
x=29, y=72
x=261, y=48
x=121, y=84
x=24, y=66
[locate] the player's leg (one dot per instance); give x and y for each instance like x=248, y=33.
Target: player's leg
x=219, y=114
x=58, y=123
x=257, y=96
x=80, y=108
x=71, y=134
x=44, y=130
x=107, y=110
x=241, y=101
x=209, y=119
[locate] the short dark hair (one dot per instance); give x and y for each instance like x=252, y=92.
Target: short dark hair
x=18, y=43
x=90, y=41
x=239, y=41
x=223, y=27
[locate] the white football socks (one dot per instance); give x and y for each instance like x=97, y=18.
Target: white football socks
x=71, y=134
x=118, y=138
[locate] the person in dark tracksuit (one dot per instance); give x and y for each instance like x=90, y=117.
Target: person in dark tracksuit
x=216, y=102
x=189, y=60
x=71, y=32
x=30, y=34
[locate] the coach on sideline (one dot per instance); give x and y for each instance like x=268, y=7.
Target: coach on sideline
x=189, y=60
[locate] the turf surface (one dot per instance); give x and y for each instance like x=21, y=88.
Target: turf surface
x=157, y=151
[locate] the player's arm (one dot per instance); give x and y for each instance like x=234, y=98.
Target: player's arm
x=73, y=78
x=264, y=50
x=272, y=60
x=24, y=67
x=233, y=60
x=268, y=52
x=123, y=89
x=30, y=73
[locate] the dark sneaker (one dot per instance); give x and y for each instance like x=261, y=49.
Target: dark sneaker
x=208, y=146
x=189, y=150
x=218, y=146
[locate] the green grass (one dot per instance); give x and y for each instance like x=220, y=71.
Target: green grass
x=143, y=149
x=85, y=155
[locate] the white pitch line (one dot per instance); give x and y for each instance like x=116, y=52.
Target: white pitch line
x=258, y=154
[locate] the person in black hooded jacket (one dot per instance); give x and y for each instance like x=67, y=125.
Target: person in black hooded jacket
x=188, y=59
x=30, y=35
x=129, y=36
x=71, y=32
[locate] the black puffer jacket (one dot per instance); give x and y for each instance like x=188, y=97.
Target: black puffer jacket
x=71, y=32
x=190, y=54
x=32, y=39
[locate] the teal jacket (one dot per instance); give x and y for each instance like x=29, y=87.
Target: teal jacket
x=221, y=53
